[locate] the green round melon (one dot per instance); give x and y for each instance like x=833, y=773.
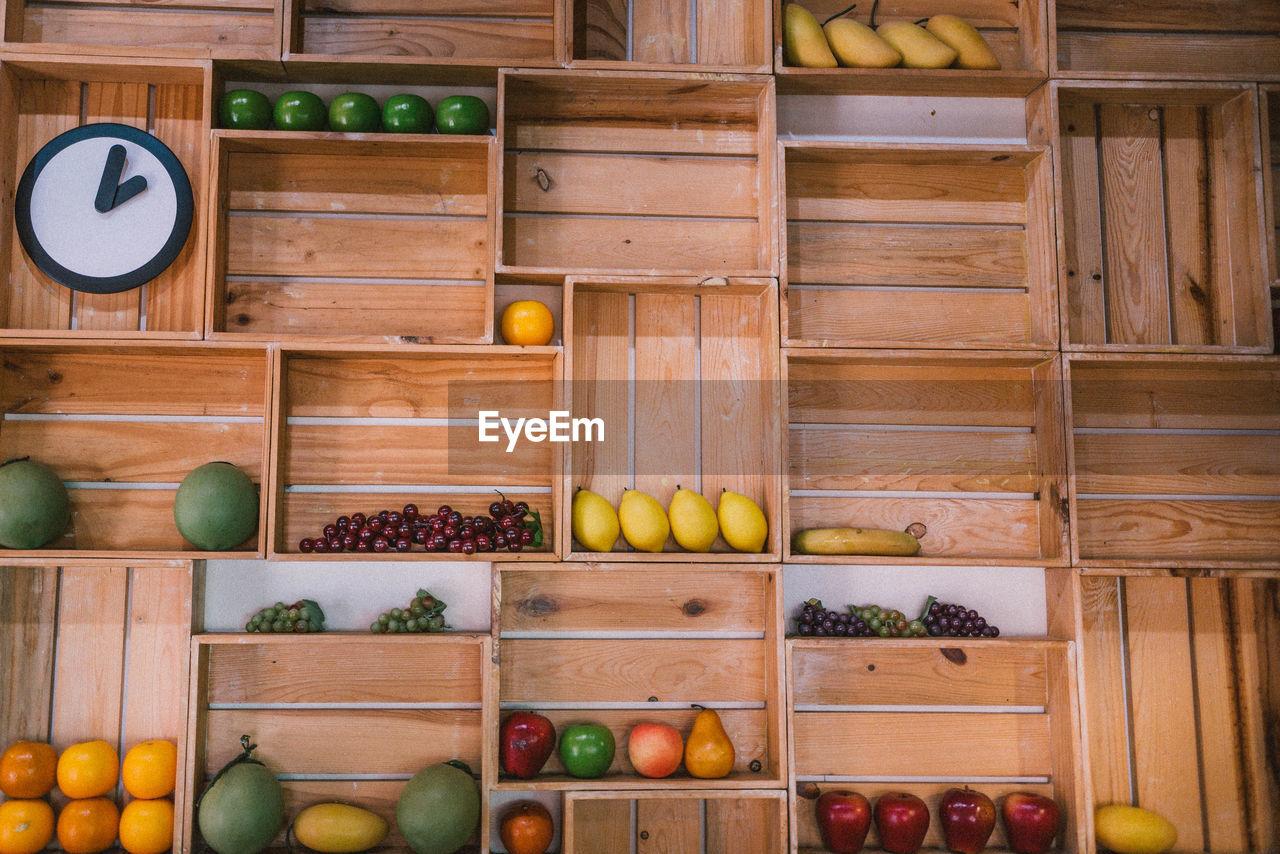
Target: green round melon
x=34, y=507
x=242, y=811
x=216, y=507
x=439, y=810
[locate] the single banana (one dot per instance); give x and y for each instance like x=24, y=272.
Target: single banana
x=853, y=541
x=803, y=41
x=972, y=50
x=919, y=48
x=857, y=46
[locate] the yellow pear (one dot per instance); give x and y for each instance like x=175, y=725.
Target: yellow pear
x=857, y=46
x=972, y=50
x=708, y=752
x=742, y=522
x=693, y=521
x=595, y=525
x=919, y=48
x=644, y=522
x=1133, y=830
x=803, y=42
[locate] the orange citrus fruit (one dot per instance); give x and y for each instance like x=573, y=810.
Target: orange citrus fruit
x=528, y=323
x=88, y=769
x=26, y=826
x=88, y=825
x=150, y=769
x=28, y=769
x=146, y=826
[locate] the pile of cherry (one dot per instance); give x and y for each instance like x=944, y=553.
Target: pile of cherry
x=509, y=525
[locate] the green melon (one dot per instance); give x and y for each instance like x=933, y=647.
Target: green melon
x=34, y=507
x=216, y=507
x=439, y=810
x=242, y=811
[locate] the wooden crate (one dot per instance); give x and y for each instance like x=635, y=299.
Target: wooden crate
x=379, y=238
x=1166, y=39
x=715, y=822
x=97, y=652
x=923, y=715
x=1270, y=125
x=1015, y=31
x=722, y=35
x=1160, y=212
x=123, y=423
x=683, y=375
x=1175, y=461
x=918, y=246
x=44, y=96
x=1178, y=690
x=621, y=644
x=338, y=716
x=640, y=173
x=364, y=430
x=969, y=445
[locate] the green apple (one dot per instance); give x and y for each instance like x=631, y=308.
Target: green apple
x=300, y=111
x=464, y=114
x=244, y=109
x=354, y=112
x=586, y=750
x=407, y=114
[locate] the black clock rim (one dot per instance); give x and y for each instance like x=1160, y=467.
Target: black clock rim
x=158, y=263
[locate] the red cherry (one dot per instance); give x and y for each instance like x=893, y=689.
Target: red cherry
x=526, y=537
x=306, y=545
x=421, y=536
x=403, y=545
x=319, y=546
x=455, y=545
x=444, y=511
x=344, y=522
x=349, y=541
x=358, y=520
x=362, y=546
x=483, y=543
x=468, y=547
x=439, y=543
x=335, y=545
x=380, y=544
x=410, y=511
x=330, y=531
x=450, y=531
x=514, y=547
x=466, y=532
x=375, y=524
x=500, y=541
x=394, y=519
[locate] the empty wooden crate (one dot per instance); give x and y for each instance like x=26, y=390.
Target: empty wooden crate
x=123, y=423
x=644, y=173
x=682, y=376
x=964, y=450
x=621, y=644
x=657, y=822
x=1175, y=460
x=1160, y=217
x=647, y=34
x=918, y=246
x=1179, y=699
x=923, y=715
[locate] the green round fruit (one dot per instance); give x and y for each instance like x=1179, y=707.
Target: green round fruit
x=216, y=507
x=244, y=109
x=242, y=811
x=587, y=750
x=439, y=810
x=34, y=507
x=354, y=112
x=407, y=114
x=465, y=114
x=300, y=111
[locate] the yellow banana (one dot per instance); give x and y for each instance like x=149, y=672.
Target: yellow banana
x=853, y=541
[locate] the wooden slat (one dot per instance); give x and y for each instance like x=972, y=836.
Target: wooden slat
x=666, y=393
x=929, y=676
x=730, y=32
x=600, y=826
x=743, y=825
x=631, y=243
x=1230, y=56
x=184, y=5
x=909, y=317
x=600, y=376
x=653, y=186
x=1082, y=263
x=28, y=623
x=1258, y=605
x=88, y=681
x=907, y=255
x=528, y=39
x=936, y=744
x=605, y=670
x=452, y=8
x=240, y=32
x=347, y=741
x=1178, y=530
x=668, y=824
x=660, y=31
x=342, y=246
x=1169, y=16
x=357, y=183
x=443, y=670
x=1104, y=691
x=1240, y=252
x=655, y=598
x=160, y=618
x=129, y=520
x=1165, y=395
x=175, y=298
x=689, y=138
x=1133, y=225
x=957, y=527
x=1163, y=703
x=1177, y=464
x=983, y=14
x=1192, y=282
x=852, y=458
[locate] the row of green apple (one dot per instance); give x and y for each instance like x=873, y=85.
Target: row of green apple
x=352, y=112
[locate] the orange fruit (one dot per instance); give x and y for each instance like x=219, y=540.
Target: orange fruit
x=26, y=826
x=150, y=769
x=88, y=825
x=528, y=323
x=146, y=826
x=28, y=769
x=526, y=828
x=88, y=769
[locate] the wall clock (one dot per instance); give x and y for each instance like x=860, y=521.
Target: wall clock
x=103, y=208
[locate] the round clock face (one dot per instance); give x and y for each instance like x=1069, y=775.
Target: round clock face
x=104, y=208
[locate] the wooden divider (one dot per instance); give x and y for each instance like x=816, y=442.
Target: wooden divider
x=739, y=822
x=650, y=34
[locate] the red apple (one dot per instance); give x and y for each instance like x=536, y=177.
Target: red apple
x=967, y=819
x=655, y=750
x=1030, y=822
x=526, y=740
x=903, y=820
x=843, y=820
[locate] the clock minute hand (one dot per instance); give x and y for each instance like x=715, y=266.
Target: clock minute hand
x=106, y=198
x=129, y=189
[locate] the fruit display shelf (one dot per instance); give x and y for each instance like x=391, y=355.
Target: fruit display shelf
x=707, y=35
x=716, y=822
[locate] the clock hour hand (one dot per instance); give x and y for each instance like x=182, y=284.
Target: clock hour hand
x=111, y=193
x=129, y=189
